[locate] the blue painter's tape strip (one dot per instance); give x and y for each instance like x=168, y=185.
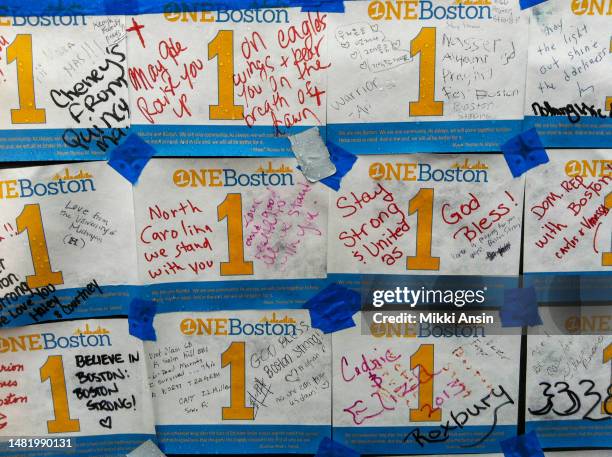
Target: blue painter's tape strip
x=140, y=319
x=526, y=445
x=525, y=4
x=130, y=157
x=329, y=6
x=133, y=7
x=524, y=152
x=343, y=160
x=520, y=308
x=113, y=7
x=329, y=448
x=332, y=309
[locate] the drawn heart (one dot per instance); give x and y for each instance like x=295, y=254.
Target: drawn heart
x=374, y=27
x=292, y=376
x=107, y=422
x=395, y=44
x=363, y=65
x=354, y=55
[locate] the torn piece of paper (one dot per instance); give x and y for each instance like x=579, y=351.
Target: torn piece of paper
x=147, y=449
x=312, y=155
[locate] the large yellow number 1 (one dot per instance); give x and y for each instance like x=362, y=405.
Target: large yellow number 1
x=425, y=44
x=606, y=258
x=21, y=51
x=31, y=220
x=222, y=47
x=422, y=203
x=606, y=406
x=231, y=208
x=423, y=359
x=234, y=357
x=53, y=370
x=609, y=99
